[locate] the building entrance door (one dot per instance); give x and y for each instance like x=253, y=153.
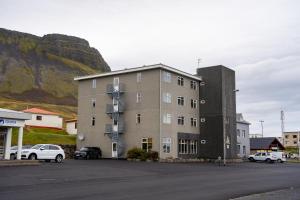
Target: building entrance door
x=114, y=150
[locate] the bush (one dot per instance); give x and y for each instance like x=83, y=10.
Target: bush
x=138, y=153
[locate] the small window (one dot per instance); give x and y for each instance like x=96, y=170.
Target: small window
x=202, y=119
x=202, y=101
x=238, y=132
x=147, y=144
x=93, y=103
x=180, y=101
x=138, y=118
x=167, y=118
x=166, y=142
x=39, y=118
x=138, y=97
x=139, y=77
x=94, y=83
x=287, y=136
x=193, y=85
x=202, y=83
x=194, y=122
x=193, y=103
x=93, y=121
x=294, y=136
x=180, y=81
x=243, y=133
x=75, y=125
x=167, y=97
x=239, y=148
x=180, y=120
x=167, y=77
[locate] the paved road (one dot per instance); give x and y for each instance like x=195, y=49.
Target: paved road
x=112, y=179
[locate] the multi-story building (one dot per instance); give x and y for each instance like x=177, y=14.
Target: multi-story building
x=242, y=132
x=153, y=107
x=291, y=139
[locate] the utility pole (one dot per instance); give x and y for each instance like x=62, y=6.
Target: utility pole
x=262, y=127
x=282, y=125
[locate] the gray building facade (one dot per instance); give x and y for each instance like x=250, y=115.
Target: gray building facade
x=153, y=107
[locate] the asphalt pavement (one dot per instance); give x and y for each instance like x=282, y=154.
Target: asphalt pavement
x=119, y=179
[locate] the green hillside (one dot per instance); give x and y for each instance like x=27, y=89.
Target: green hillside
x=41, y=69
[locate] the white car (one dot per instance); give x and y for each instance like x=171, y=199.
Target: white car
x=268, y=157
x=45, y=152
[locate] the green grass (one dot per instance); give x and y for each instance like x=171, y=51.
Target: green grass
x=44, y=136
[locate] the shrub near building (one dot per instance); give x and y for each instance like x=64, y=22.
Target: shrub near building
x=140, y=154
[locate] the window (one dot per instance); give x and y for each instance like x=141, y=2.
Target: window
x=183, y=146
x=194, y=122
x=295, y=142
x=202, y=83
x=167, y=119
x=167, y=77
x=75, y=125
x=180, y=81
x=39, y=117
x=286, y=137
x=52, y=147
x=244, y=149
x=193, y=103
x=202, y=101
x=194, y=85
x=138, y=97
x=166, y=142
x=94, y=103
x=238, y=132
x=180, y=120
x=138, y=118
x=193, y=147
x=180, y=101
x=116, y=83
x=202, y=119
x=167, y=97
x=139, y=77
x=243, y=133
x=294, y=136
x=94, y=83
x=239, y=148
x=93, y=121
x=147, y=144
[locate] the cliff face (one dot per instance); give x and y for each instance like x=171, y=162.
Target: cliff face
x=41, y=69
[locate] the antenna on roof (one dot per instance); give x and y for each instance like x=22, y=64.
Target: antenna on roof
x=199, y=60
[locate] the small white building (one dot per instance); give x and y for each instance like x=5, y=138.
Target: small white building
x=44, y=118
x=242, y=132
x=71, y=126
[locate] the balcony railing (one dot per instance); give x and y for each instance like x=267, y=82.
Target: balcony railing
x=109, y=129
x=110, y=108
x=110, y=89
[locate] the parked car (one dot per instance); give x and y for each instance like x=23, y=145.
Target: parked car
x=268, y=157
x=45, y=152
x=88, y=153
x=14, y=151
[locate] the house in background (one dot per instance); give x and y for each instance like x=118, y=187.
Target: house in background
x=71, y=126
x=265, y=144
x=242, y=132
x=291, y=139
x=44, y=118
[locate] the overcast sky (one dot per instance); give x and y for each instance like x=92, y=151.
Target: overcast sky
x=259, y=39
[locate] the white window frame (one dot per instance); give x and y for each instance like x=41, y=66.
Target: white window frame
x=167, y=77
x=147, y=141
x=167, y=118
x=194, y=85
x=167, y=97
x=94, y=83
x=166, y=145
x=194, y=122
x=180, y=101
x=138, y=97
x=183, y=146
x=193, y=146
x=138, y=117
x=180, y=81
x=194, y=103
x=180, y=120
x=138, y=77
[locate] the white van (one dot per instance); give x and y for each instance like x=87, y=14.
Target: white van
x=268, y=157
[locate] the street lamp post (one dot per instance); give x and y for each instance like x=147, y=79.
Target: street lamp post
x=262, y=127
x=225, y=142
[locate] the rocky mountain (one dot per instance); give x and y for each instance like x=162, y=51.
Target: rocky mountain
x=41, y=69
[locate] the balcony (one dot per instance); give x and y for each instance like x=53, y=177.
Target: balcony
x=110, y=89
x=109, y=128
x=110, y=108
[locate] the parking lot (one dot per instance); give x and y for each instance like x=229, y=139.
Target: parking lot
x=119, y=179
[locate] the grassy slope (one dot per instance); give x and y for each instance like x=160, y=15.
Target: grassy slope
x=44, y=136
